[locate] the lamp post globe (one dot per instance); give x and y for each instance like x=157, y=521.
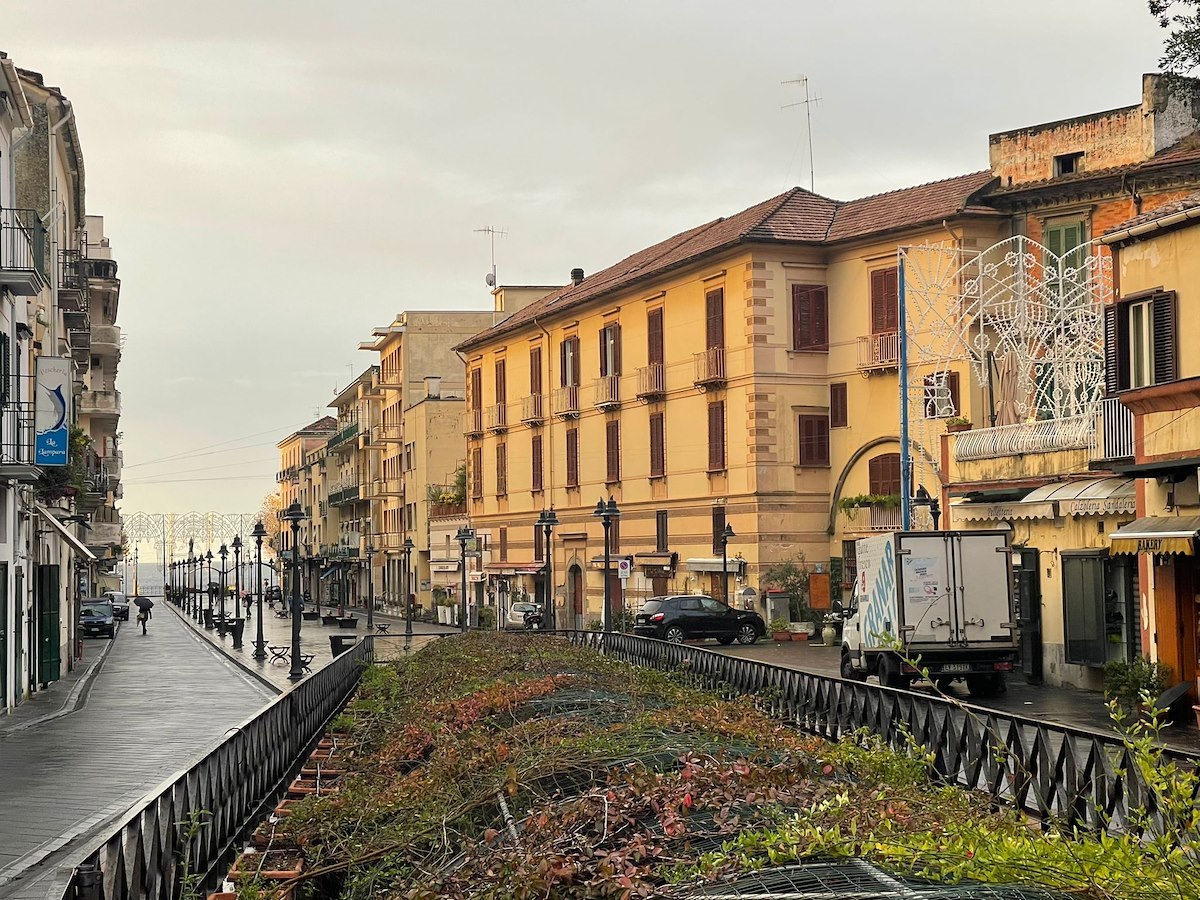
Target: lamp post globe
x=464, y=536
x=260, y=645
x=725, y=536
x=208, y=558
x=236, y=543
x=607, y=512
x=293, y=515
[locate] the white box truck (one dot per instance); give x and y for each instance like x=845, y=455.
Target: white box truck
x=943, y=599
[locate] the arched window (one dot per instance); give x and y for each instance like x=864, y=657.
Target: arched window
x=884, y=473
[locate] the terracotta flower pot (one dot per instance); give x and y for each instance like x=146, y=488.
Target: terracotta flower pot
x=272, y=865
x=781, y=635
x=799, y=635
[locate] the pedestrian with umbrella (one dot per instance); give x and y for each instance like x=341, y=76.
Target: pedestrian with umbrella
x=143, y=604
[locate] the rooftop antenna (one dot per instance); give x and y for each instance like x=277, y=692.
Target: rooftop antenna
x=491, y=231
x=808, y=103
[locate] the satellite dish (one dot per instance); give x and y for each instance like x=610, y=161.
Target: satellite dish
x=491, y=279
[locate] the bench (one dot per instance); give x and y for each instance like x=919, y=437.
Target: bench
x=382, y=627
x=283, y=655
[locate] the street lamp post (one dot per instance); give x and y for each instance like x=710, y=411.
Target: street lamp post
x=292, y=515
x=606, y=513
x=314, y=594
x=464, y=535
x=237, y=576
x=223, y=553
x=924, y=498
x=725, y=536
x=208, y=623
x=260, y=645
x=370, y=551
x=408, y=547
x=191, y=579
x=547, y=519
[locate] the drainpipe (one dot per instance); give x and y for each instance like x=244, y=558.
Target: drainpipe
x=52, y=312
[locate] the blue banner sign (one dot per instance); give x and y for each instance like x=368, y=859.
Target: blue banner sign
x=52, y=406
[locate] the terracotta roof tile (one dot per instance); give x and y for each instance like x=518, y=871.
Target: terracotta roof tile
x=1191, y=201
x=795, y=216
x=325, y=423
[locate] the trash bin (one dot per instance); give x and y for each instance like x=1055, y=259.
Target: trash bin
x=340, y=643
x=237, y=626
x=348, y=622
x=208, y=620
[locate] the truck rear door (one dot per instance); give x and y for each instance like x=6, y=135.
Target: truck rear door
x=983, y=564
x=926, y=595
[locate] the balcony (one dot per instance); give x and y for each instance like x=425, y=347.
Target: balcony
x=100, y=403
x=345, y=437
x=531, y=410
x=290, y=475
x=387, y=487
x=391, y=379
x=112, y=466
x=473, y=423
x=1047, y=436
x=342, y=495
x=651, y=382
x=885, y=518
x=879, y=352
x=710, y=368
x=497, y=418
x=608, y=392
x=106, y=340
x=22, y=252
x=373, y=438
x=565, y=402
x=104, y=534
x=441, y=510
x=72, y=280
x=1114, y=432
x=391, y=434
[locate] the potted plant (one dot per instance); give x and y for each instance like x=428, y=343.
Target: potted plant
x=1130, y=683
x=779, y=630
x=958, y=423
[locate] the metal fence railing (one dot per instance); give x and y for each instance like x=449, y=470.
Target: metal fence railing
x=1083, y=778
x=142, y=858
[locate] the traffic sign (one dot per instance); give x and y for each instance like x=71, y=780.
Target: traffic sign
x=625, y=567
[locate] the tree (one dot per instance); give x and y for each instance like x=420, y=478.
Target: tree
x=268, y=514
x=1181, y=49
x=790, y=577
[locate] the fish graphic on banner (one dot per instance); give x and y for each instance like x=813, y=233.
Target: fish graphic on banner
x=51, y=407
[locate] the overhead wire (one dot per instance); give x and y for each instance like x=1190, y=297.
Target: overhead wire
x=200, y=451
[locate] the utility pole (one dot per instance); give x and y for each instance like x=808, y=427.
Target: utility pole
x=807, y=103
x=135, y=570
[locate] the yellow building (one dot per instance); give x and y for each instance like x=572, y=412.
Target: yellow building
x=293, y=451
x=1154, y=372
x=741, y=373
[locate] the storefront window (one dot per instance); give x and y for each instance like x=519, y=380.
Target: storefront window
x=1099, y=615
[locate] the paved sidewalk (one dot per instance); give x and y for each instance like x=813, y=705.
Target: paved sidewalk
x=1061, y=705
x=61, y=697
x=314, y=640
x=156, y=704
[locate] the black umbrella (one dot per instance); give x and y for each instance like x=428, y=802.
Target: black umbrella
x=143, y=602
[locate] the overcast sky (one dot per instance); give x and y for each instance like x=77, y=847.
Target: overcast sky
x=278, y=177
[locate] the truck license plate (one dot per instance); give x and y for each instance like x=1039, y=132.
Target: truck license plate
x=956, y=667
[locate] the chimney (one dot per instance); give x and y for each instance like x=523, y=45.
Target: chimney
x=576, y=277
x=433, y=387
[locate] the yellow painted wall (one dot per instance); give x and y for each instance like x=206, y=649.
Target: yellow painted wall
x=1171, y=261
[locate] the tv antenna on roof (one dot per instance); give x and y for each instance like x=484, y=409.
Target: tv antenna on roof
x=808, y=103
x=491, y=231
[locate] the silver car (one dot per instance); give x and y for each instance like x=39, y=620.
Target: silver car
x=516, y=614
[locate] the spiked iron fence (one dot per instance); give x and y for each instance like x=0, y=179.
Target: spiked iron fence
x=143, y=858
x=1075, y=776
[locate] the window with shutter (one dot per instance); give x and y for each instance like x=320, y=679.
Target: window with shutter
x=612, y=451
x=839, y=411
x=661, y=530
x=1114, y=379
x=501, y=470
x=572, y=457
x=718, y=528
x=535, y=371
x=535, y=455
x=654, y=336
x=714, y=306
x=538, y=544
x=885, y=301
x=1166, y=359
x=716, y=436
x=477, y=388
x=614, y=542
x=941, y=395
x=849, y=563
x=883, y=472
x=477, y=473
x=501, y=381
x=1068, y=254
x=610, y=349
x=814, y=441
x=810, y=317
x=658, y=446
x=503, y=542
x=569, y=362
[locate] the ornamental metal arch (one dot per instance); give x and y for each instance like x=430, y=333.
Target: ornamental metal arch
x=1015, y=324
x=169, y=533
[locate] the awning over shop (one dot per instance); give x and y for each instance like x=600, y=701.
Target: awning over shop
x=72, y=541
x=515, y=568
x=713, y=564
x=1088, y=497
x=329, y=572
x=1158, y=534
x=974, y=511
x=444, y=566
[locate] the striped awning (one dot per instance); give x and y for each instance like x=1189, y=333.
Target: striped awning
x=1158, y=534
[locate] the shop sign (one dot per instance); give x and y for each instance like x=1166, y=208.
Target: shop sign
x=1100, y=507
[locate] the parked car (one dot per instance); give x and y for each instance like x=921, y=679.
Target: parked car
x=273, y=594
x=679, y=617
x=517, y=611
x=120, y=606
x=96, y=617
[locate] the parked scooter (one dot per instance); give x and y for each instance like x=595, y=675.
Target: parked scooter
x=533, y=620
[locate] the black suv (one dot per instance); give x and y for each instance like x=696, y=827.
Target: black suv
x=683, y=616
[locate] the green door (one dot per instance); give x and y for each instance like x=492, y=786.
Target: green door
x=4, y=634
x=49, y=624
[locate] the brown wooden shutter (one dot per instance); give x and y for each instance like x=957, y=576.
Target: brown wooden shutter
x=535, y=371
x=612, y=450
x=814, y=441
x=658, y=456
x=885, y=299
x=572, y=457
x=564, y=375
x=477, y=389
x=810, y=317
x=839, y=412
x=716, y=436
x=714, y=303
x=884, y=474
x=603, y=351
x=477, y=473
x=952, y=385
x=1166, y=357
x=654, y=336
x=661, y=530
x=501, y=381
x=1112, y=350
x=575, y=360
x=718, y=527
x=616, y=339
x=503, y=542
x=536, y=462
x=501, y=470
x=538, y=547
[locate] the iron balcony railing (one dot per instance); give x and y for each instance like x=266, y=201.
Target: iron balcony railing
x=565, y=402
x=878, y=351
x=22, y=252
x=473, y=422
x=345, y=494
x=885, y=518
x=531, y=410
x=1073, y=776
x=651, y=381
x=608, y=392
x=1047, y=436
x=497, y=417
x=1114, y=431
x=347, y=432
x=235, y=782
x=710, y=367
